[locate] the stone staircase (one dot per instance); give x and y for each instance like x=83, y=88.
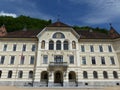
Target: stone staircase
x=58, y=84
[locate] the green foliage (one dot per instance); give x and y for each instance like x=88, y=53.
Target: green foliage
x=13, y=24
x=97, y=29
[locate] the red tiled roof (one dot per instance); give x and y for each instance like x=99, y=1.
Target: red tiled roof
x=86, y=34
x=22, y=34
x=58, y=24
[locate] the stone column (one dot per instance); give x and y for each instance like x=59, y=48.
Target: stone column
x=37, y=78
x=65, y=79
x=62, y=46
x=51, y=79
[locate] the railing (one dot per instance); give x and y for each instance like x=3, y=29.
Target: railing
x=58, y=64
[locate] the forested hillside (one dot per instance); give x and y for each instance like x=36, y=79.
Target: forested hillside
x=13, y=24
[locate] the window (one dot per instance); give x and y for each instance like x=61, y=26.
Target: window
x=103, y=60
x=45, y=59
x=14, y=47
x=12, y=59
x=95, y=74
x=73, y=45
x=5, y=47
x=112, y=60
x=86, y=84
x=84, y=60
x=43, y=44
x=22, y=60
x=91, y=48
x=2, y=60
x=71, y=59
x=10, y=74
x=58, y=35
x=115, y=75
x=32, y=60
x=58, y=58
x=109, y=48
x=65, y=45
x=20, y=74
x=82, y=48
x=58, y=45
x=33, y=47
x=30, y=74
x=101, y=48
x=51, y=45
x=93, y=60
x=105, y=75
x=24, y=47
x=0, y=73
x=85, y=75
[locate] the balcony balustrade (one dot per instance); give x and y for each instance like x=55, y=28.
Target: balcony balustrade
x=64, y=64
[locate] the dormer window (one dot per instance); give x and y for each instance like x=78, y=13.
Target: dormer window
x=58, y=35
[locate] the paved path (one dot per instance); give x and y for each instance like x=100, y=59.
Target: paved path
x=19, y=88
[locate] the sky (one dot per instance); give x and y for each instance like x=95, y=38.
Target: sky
x=94, y=13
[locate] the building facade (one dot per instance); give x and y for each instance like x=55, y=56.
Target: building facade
x=58, y=55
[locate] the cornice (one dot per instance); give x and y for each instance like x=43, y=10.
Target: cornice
x=18, y=39
x=95, y=40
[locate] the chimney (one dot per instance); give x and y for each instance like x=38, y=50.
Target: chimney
x=3, y=31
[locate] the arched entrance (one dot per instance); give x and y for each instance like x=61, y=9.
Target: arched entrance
x=44, y=76
x=72, y=76
x=58, y=77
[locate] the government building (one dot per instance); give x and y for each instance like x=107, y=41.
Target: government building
x=59, y=56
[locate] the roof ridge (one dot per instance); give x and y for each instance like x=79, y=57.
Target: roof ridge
x=58, y=24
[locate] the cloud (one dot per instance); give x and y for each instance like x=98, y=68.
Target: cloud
x=34, y=13
x=2, y=13
x=99, y=11
x=24, y=7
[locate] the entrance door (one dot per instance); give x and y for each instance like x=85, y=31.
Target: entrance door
x=58, y=77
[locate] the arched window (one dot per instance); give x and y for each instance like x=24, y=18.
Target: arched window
x=0, y=73
x=30, y=74
x=85, y=75
x=105, y=75
x=95, y=74
x=58, y=45
x=65, y=45
x=58, y=35
x=20, y=74
x=9, y=74
x=51, y=45
x=73, y=45
x=115, y=75
x=43, y=44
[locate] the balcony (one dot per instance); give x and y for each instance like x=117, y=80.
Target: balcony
x=55, y=65
x=58, y=64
